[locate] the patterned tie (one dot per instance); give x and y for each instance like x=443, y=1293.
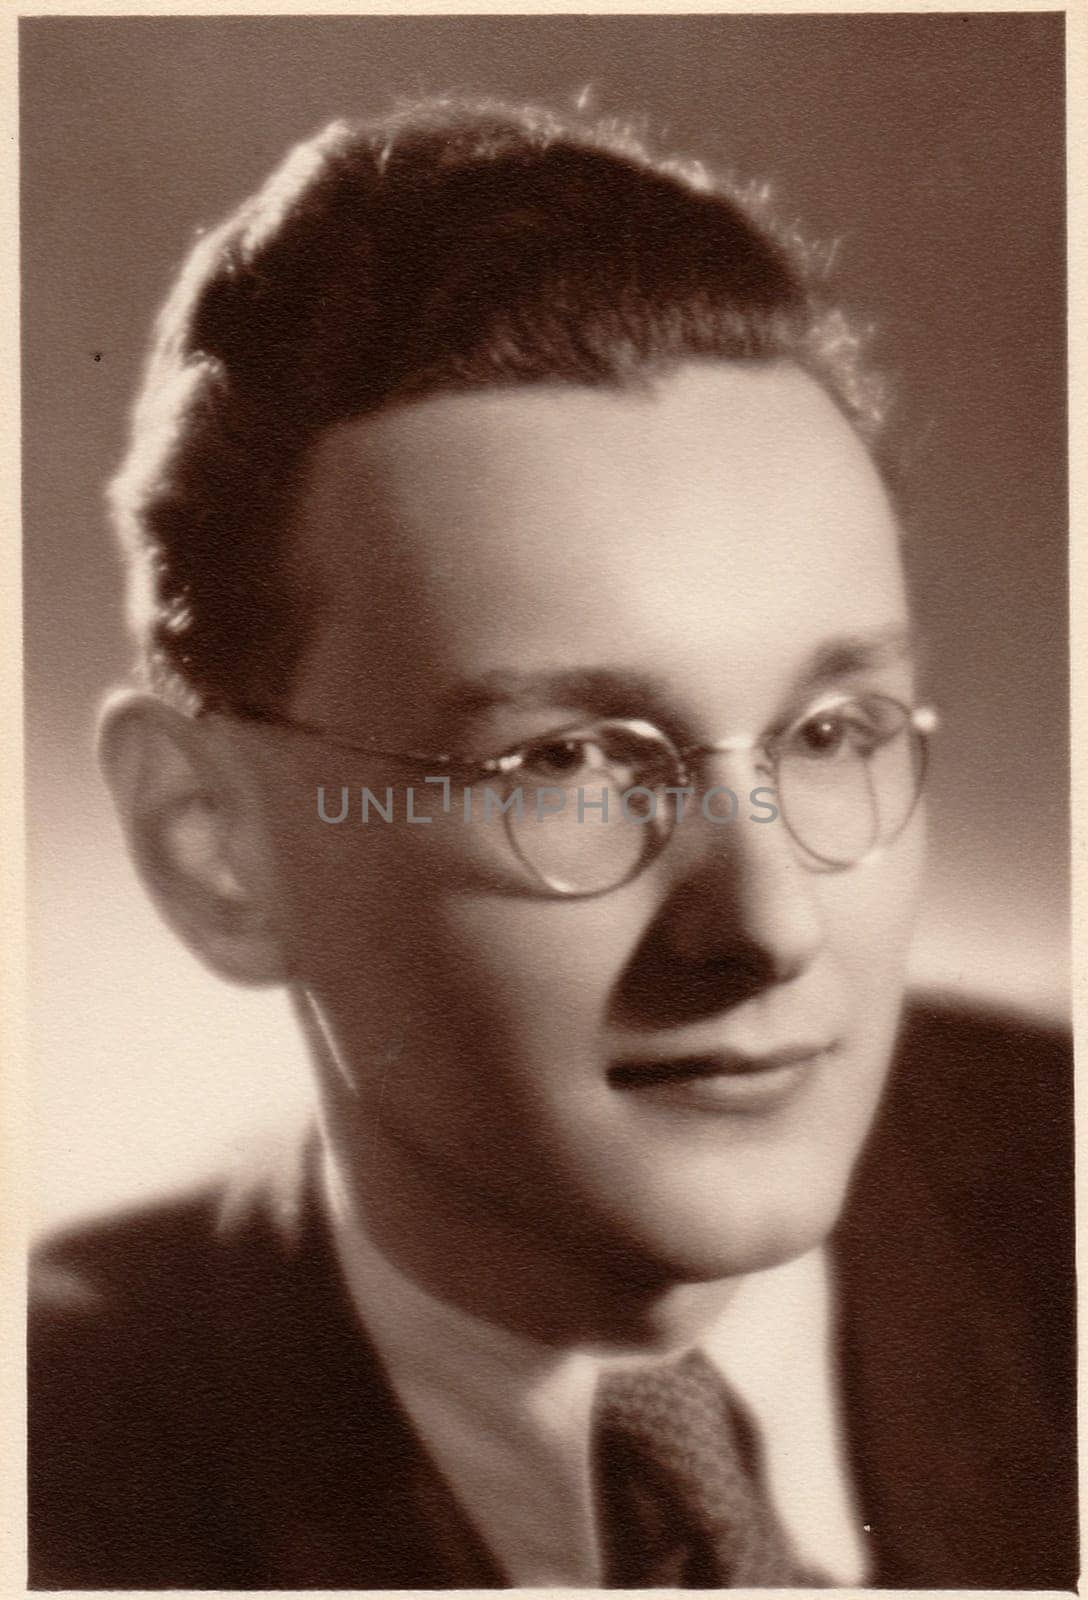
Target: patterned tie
x=679, y=1500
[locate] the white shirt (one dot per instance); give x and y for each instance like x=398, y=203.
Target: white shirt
x=507, y=1420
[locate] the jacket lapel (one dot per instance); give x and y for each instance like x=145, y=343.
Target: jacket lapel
x=329, y=1486
x=952, y=1447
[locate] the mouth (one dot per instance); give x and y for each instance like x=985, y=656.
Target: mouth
x=721, y=1080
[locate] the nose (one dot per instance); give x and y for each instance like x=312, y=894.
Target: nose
x=740, y=914
x=739, y=887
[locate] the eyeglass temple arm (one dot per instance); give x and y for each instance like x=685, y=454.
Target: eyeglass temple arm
x=924, y=718
x=319, y=730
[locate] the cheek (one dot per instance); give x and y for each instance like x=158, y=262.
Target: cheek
x=411, y=960
x=549, y=966
x=359, y=918
x=870, y=913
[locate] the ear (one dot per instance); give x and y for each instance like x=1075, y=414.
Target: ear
x=192, y=822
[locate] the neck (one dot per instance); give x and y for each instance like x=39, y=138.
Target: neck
x=486, y=1262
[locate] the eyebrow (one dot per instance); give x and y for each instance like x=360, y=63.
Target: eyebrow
x=863, y=652
x=600, y=691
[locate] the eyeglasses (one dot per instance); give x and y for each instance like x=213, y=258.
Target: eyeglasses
x=586, y=807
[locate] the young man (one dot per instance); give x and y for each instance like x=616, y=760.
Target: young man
x=529, y=688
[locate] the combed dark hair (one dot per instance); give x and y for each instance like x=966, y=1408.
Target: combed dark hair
x=451, y=246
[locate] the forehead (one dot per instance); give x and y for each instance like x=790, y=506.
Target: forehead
x=723, y=520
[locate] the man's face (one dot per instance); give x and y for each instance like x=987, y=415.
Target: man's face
x=710, y=545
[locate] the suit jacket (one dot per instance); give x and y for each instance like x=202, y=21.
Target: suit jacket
x=205, y=1412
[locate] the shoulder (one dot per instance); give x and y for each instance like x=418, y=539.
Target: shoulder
x=956, y=1263
x=127, y=1261
x=205, y=1411
x=1016, y=1053
x=150, y=1333
x=970, y=1172
x=156, y=1277
x=983, y=1101
x=131, y=1264
x=112, y=1307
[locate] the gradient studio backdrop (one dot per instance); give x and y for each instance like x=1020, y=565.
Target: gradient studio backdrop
x=931, y=147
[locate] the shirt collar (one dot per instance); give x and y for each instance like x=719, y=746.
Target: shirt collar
x=507, y=1419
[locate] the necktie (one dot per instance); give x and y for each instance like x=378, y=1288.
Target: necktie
x=679, y=1501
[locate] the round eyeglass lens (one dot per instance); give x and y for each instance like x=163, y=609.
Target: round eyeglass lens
x=583, y=808
x=849, y=776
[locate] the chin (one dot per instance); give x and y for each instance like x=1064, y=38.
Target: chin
x=744, y=1233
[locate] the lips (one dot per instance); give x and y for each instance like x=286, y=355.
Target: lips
x=720, y=1083
x=635, y=1073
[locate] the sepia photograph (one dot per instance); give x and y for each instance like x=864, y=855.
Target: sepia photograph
x=546, y=686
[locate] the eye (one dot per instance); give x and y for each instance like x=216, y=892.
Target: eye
x=852, y=727
x=619, y=754
x=559, y=759
x=820, y=736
